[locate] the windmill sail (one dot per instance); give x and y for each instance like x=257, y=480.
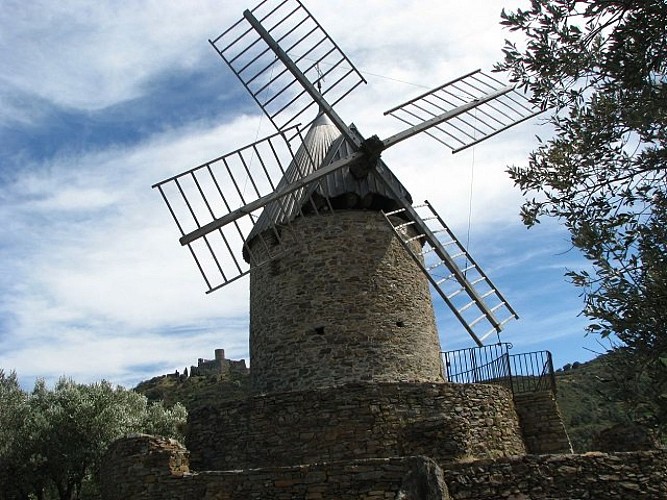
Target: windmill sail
x=455, y=276
x=472, y=108
x=224, y=204
x=284, y=58
x=217, y=204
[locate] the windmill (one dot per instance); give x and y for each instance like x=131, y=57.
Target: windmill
x=340, y=260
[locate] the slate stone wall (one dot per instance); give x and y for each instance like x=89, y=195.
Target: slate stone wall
x=127, y=477
x=542, y=423
x=150, y=468
x=627, y=476
x=352, y=306
x=442, y=421
x=146, y=467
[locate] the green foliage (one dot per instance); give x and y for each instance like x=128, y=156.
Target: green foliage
x=52, y=441
x=601, y=65
x=639, y=382
x=595, y=397
x=586, y=403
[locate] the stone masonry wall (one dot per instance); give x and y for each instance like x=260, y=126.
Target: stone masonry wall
x=143, y=466
x=351, y=307
x=140, y=468
x=149, y=468
x=542, y=423
x=442, y=421
x=627, y=476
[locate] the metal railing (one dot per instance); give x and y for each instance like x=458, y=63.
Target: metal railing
x=532, y=371
x=493, y=364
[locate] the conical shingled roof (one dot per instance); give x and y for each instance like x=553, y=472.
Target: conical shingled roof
x=322, y=145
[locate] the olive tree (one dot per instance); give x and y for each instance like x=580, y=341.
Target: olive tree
x=600, y=66
x=52, y=441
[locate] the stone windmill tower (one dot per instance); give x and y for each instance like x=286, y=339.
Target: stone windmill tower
x=353, y=306
x=340, y=261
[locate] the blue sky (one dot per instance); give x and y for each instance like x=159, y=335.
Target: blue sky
x=100, y=100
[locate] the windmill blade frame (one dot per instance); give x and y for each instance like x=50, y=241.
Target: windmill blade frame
x=287, y=90
x=476, y=105
x=216, y=204
x=466, y=289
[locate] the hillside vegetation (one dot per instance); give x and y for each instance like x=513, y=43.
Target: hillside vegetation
x=582, y=393
x=195, y=391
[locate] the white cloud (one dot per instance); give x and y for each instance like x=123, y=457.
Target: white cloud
x=84, y=269
x=90, y=55
x=122, y=358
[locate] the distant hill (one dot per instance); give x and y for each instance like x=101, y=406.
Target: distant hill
x=581, y=389
x=197, y=390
